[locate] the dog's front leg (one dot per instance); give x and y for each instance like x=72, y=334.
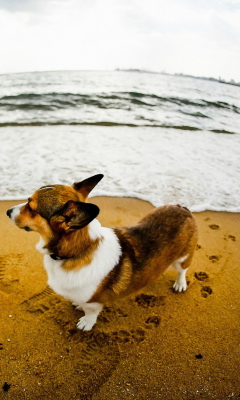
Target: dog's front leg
x=91, y=313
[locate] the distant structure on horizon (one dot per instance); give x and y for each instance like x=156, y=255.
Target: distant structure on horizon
x=220, y=80
x=231, y=82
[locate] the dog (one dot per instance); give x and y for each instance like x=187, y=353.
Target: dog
x=91, y=265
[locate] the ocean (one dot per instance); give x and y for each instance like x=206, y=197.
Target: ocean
x=162, y=138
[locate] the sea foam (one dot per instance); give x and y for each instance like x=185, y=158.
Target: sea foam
x=199, y=170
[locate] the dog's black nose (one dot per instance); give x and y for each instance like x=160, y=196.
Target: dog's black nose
x=9, y=212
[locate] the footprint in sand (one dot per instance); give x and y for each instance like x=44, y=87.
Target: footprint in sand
x=152, y=322
x=120, y=337
x=40, y=302
x=213, y=258
x=214, y=226
x=108, y=311
x=132, y=336
x=201, y=276
x=9, y=265
x=97, y=344
x=231, y=237
x=206, y=291
x=98, y=359
x=146, y=300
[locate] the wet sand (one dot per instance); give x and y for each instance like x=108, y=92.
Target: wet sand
x=153, y=345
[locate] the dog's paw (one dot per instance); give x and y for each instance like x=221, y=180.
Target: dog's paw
x=86, y=323
x=180, y=286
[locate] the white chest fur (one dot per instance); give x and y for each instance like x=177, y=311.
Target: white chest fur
x=79, y=286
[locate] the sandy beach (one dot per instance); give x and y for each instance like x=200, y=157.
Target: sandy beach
x=153, y=345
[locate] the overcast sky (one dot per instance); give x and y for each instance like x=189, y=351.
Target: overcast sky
x=198, y=37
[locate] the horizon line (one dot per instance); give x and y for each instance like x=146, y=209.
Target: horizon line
x=139, y=70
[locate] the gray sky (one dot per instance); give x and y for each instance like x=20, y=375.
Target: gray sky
x=199, y=37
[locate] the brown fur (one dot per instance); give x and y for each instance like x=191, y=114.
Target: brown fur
x=148, y=248
x=78, y=247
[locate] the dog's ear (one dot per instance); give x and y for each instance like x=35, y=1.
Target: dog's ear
x=74, y=215
x=86, y=186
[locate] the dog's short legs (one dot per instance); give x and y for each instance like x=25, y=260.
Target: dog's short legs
x=91, y=313
x=180, y=285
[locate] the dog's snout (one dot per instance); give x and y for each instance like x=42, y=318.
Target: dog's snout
x=9, y=212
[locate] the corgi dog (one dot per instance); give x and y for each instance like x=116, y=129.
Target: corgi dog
x=91, y=265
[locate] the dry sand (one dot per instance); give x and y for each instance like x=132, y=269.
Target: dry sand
x=154, y=345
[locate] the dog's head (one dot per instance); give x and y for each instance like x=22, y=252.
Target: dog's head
x=57, y=209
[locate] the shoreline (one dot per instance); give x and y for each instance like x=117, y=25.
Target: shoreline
x=125, y=198
x=153, y=345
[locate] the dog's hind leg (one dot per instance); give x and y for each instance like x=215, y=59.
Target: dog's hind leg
x=181, y=284
x=91, y=313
